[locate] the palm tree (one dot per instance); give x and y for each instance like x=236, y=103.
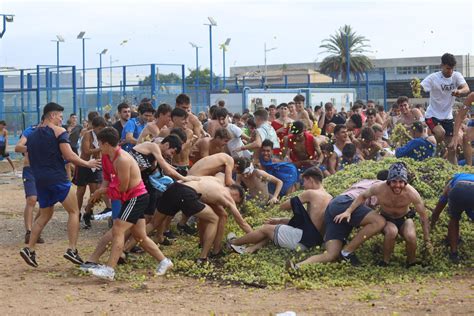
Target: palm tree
x=335, y=64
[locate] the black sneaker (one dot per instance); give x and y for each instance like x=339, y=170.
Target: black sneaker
x=166, y=242
x=73, y=256
x=137, y=249
x=382, y=263
x=87, y=220
x=454, y=257
x=187, y=229
x=170, y=235
x=352, y=258
x=29, y=256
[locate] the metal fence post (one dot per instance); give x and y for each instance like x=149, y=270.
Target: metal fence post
x=153, y=84
x=2, y=104
x=183, y=79
x=48, y=92
x=99, y=95
x=286, y=81
x=124, y=80
x=366, y=87
x=74, y=90
x=29, y=87
x=309, y=80
x=384, y=89
x=38, y=92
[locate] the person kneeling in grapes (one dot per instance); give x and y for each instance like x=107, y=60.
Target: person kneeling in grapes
x=340, y=218
x=304, y=230
x=459, y=195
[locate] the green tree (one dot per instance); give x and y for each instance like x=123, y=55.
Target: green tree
x=335, y=64
x=204, y=76
x=162, y=78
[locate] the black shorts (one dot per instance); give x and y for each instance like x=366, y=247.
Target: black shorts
x=461, y=199
x=3, y=152
x=154, y=195
x=180, y=197
x=83, y=176
x=401, y=220
x=448, y=125
x=340, y=231
x=134, y=209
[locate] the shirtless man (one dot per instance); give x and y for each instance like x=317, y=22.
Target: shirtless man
x=337, y=230
x=48, y=147
x=179, y=117
x=301, y=147
x=257, y=181
x=408, y=115
x=395, y=196
x=162, y=120
x=292, y=111
x=468, y=107
x=208, y=200
x=184, y=102
x=84, y=176
x=212, y=165
x=301, y=114
x=4, y=145
x=304, y=230
x=134, y=199
x=207, y=146
x=367, y=145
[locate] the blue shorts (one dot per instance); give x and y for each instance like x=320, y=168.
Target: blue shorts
x=461, y=199
x=471, y=123
x=116, y=206
x=52, y=194
x=29, y=183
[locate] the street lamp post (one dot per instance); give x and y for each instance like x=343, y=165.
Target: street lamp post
x=59, y=39
x=81, y=37
x=224, y=48
x=212, y=23
x=265, y=59
x=6, y=18
x=111, y=63
x=196, y=80
x=99, y=97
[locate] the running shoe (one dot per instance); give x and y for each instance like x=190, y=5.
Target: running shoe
x=170, y=235
x=29, y=256
x=164, y=266
x=103, y=272
x=73, y=256
x=137, y=249
x=231, y=236
x=352, y=259
x=106, y=210
x=238, y=249
x=86, y=266
x=187, y=229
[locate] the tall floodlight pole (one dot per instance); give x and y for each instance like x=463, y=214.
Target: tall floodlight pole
x=212, y=23
x=224, y=49
x=196, y=80
x=81, y=37
x=111, y=63
x=59, y=39
x=6, y=18
x=265, y=50
x=103, y=52
x=348, y=62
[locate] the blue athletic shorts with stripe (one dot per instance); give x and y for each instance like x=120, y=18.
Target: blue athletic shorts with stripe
x=52, y=194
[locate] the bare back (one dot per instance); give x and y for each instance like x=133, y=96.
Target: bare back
x=210, y=165
x=317, y=201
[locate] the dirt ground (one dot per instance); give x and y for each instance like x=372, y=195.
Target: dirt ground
x=56, y=288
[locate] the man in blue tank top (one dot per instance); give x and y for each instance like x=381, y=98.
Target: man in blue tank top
x=459, y=195
x=48, y=147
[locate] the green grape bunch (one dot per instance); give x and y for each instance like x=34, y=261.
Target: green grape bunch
x=400, y=136
x=416, y=87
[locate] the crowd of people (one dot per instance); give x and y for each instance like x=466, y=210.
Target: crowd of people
x=148, y=164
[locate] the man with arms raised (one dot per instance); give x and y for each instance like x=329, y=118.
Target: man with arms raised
x=47, y=148
x=301, y=114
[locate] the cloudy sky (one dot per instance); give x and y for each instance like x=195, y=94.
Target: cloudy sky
x=159, y=31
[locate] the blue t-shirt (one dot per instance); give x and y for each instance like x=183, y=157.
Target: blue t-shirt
x=45, y=156
x=27, y=132
x=461, y=177
x=135, y=127
x=417, y=149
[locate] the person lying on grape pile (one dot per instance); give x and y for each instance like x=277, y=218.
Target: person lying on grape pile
x=394, y=197
x=339, y=222
x=459, y=195
x=208, y=200
x=257, y=181
x=420, y=147
x=301, y=147
x=283, y=170
x=304, y=230
x=468, y=107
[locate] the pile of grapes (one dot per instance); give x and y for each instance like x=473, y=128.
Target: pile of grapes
x=266, y=268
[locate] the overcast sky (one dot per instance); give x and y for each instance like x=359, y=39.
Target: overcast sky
x=159, y=31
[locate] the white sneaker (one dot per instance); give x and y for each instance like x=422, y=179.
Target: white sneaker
x=87, y=266
x=231, y=236
x=238, y=249
x=103, y=272
x=164, y=266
